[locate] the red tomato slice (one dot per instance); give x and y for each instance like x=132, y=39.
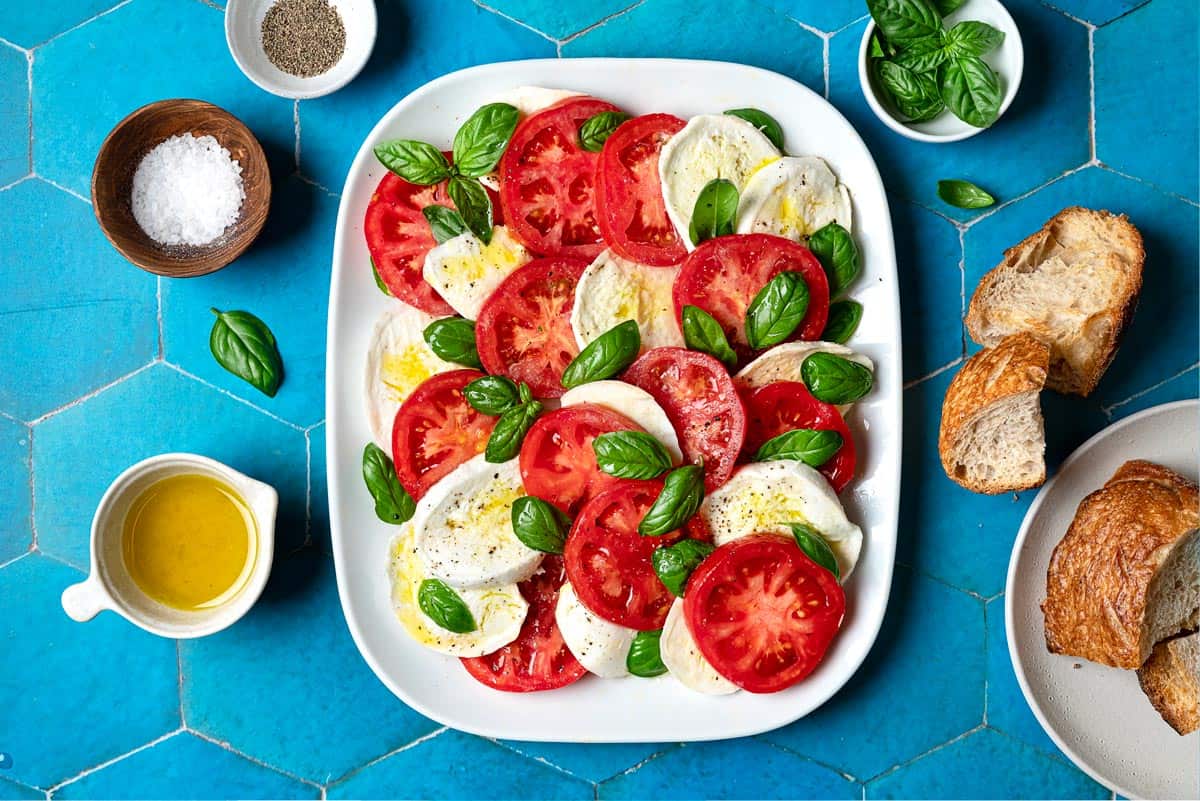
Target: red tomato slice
x=558, y=464
x=763, y=613
x=696, y=392
x=524, y=328
x=608, y=562
x=786, y=405
x=547, y=181
x=538, y=659
x=724, y=274
x=436, y=430
x=629, y=203
x=398, y=237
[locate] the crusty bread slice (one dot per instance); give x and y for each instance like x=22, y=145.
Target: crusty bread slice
x=1074, y=285
x=992, y=438
x=1171, y=680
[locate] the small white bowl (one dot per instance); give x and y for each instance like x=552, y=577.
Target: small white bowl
x=1008, y=60
x=243, y=33
x=111, y=587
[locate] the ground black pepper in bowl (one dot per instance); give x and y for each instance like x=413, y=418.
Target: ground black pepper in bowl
x=303, y=37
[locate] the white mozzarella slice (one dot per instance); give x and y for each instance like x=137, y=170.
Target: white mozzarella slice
x=766, y=496
x=464, y=527
x=527, y=100
x=793, y=197
x=465, y=271
x=398, y=360
x=684, y=660
x=613, y=290
x=600, y=646
x=633, y=402
x=782, y=363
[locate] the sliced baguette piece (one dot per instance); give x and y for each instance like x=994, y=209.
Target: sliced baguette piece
x=1074, y=285
x=1171, y=680
x=992, y=439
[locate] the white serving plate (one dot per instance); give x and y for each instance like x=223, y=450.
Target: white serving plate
x=595, y=710
x=1096, y=714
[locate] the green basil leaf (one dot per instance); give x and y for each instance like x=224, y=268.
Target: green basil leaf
x=973, y=38
x=379, y=280
x=835, y=380
x=880, y=46
x=703, y=333
x=416, y=162
x=844, y=317
x=904, y=20
x=682, y=492
x=392, y=503
x=506, y=438
x=715, y=212
x=925, y=54
x=816, y=548
x=481, y=140
x=524, y=393
x=453, y=339
x=762, y=121
x=245, y=346
x=539, y=525
x=596, y=129
x=474, y=205
x=776, y=310
x=674, y=564
x=445, y=222
x=807, y=445
x=971, y=90
x=645, y=655
x=914, y=94
x=605, y=356
x=444, y=606
x=964, y=194
x=631, y=454
x=835, y=249
x=492, y=394
x=947, y=7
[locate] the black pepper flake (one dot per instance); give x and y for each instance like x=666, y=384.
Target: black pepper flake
x=303, y=37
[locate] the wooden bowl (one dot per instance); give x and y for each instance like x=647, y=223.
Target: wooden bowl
x=123, y=150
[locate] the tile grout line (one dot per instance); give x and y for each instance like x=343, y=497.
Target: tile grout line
x=985, y=662
x=920, y=571
x=20, y=180
x=307, y=486
x=29, y=103
x=517, y=22
x=109, y=762
x=1091, y=36
x=296, y=132
x=638, y=765
x=158, y=296
x=93, y=393
x=17, y=558
x=354, y=771
x=934, y=374
x=766, y=740
x=924, y=754
x=541, y=760
x=62, y=560
x=87, y=21
x=59, y=186
x=598, y=24
x=1108, y=410
x=227, y=393
x=225, y=746
x=179, y=673
x=33, y=537
x=962, y=291
x=1154, y=186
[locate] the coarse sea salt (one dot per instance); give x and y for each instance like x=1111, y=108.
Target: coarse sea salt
x=187, y=191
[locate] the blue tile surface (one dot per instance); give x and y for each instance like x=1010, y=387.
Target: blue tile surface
x=562, y=19
x=12, y=791
x=14, y=115
x=1097, y=12
x=1181, y=387
x=928, y=260
x=15, y=497
x=318, y=491
x=594, y=761
x=1007, y=710
x=26, y=29
x=824, y=15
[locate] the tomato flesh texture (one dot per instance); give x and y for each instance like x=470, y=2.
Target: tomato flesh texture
x=436, y=430
x=631, y=211
x=783, y=406
x=700, y=400
x=762, y=613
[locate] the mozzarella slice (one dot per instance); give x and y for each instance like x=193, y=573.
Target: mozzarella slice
x=398, y=360
x=499, y=612
x=464, y=528
x=709, y=146
x=600, y=646
x=532, y=99
x=782, y=363
x=465, y=271
x=635, y=403
x=613, y=290
x=766, y=496
x=684, y=660
x=793, y=197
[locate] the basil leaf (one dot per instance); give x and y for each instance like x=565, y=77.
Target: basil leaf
x=645, y=655
x=807, y=445
x=703, y=333
x=492, y=394
x=445, y=607
x=481, y=140
x=844, y=317
x=904, y=20
x=453, y=339
x=973, y=38
x=392, y=503
x=379, y=280
x=762, y=121
x=915, y=95
x=776, y=310
x=416, y=162
x=947, y=7
x=474, y=205
x=881, y=47
x=682, y=492
x=971, y=90
x=833, y=379
x=605, y=356
x=539, y=525
x=964, y=194
x=834, y=248
x=816, y=548
x=245, y=346
x=923, y=55
x=506, y=438
x=630, y=454
x=524, y=393
x=674, y=564
x=445, y=222
x=715, y=211
x=596, y=129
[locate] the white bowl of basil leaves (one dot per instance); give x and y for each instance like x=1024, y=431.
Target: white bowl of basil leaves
x=940, y=70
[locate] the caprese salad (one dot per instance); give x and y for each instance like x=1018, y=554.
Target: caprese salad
x=608, y=406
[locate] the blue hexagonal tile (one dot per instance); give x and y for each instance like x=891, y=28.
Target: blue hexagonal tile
x=14, y=114
x=946, y=701
x=179, y=50
x=928, y=258
x=559, y=20
x=1007, y=708
x=318, y=489
x=591, y=761
x=1097, y=12
x=53, y=670
x=27, y=29
x=15, y=509
x=79, y=316
x=825, y=15
x=12, y=791
x=1180, y=387
x=78, y=452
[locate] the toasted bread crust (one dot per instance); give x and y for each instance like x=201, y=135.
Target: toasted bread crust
x=1171, y=683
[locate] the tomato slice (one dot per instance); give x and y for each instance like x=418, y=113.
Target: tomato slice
x=558, y=464
x=547, y=181
x=629, y=203
x=762, y=613
x=524, y=328
x=538, y=659
x=436, y=430
x=724, y=274
x=786, y=405
x=398, y=237
x=700, y=400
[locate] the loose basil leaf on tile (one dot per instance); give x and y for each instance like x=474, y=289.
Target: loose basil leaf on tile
x=445, y=222
x=703, y=333
x=504, y=443
x=816, y=548
x=971, y=90
x=964, y=194
x=947, y=7
x=392, y=504
x=605, y=356
x=245, y=346
x=378, y=280
x=445, y=607
x=416, y=162
x=674, y=564
x=630, y=454
x=645, y=655
x=682, y=492
x=481, y=140
x=835, y=380
x=492, y=394
x=473, y=204
x=776, y=310
x=762, y=121
x=844, y=317
x=715, y=211
x=904, y=20
x=807, y=445
x=835, y=249
x=453, y=339
x=596, y=129
x=973, y=38
x=914, y=94
x=539, y=525
x=925, y=54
